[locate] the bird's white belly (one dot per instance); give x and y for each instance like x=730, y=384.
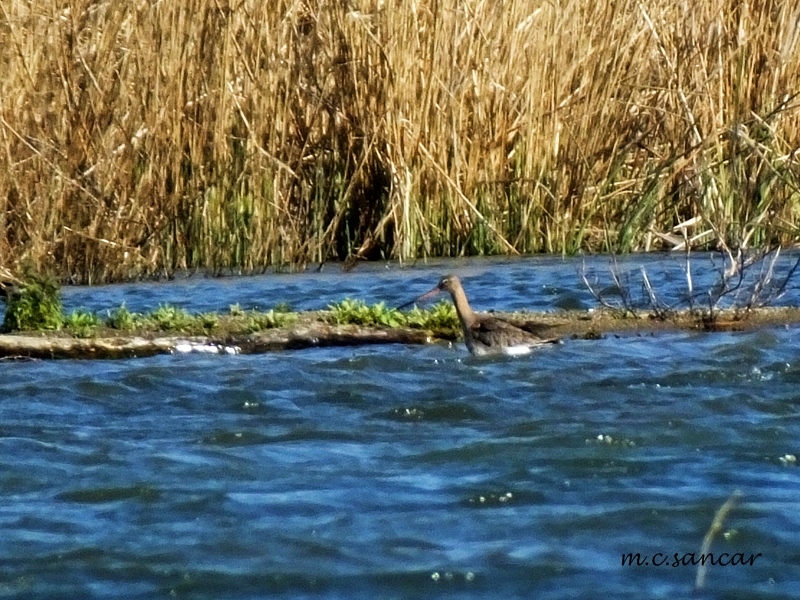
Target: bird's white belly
x=521, y=350
x=483, y=350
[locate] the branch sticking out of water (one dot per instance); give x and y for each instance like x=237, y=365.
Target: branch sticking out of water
x=660, y=311
x=713, y=531
x=749, y=284
x=625, y=303
x=758, y=300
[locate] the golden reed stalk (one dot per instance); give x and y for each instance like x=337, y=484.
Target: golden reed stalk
x=141, y=137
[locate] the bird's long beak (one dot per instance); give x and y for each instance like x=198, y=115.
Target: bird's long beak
x=422, y=298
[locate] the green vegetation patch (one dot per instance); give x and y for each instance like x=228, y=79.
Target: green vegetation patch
x=169, y=318
x=356, y=312
x=172, y=318
x=252, y=321
x=35, y=306
x=122, y=319
x=441, y=317
x=82, y=323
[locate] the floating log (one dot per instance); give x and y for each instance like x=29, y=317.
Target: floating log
x=312, y=332
x=309, y=336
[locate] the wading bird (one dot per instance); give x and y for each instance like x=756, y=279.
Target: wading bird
x=484, y=334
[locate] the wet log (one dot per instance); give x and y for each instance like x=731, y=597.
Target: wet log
x=309, y=336
x=29, y=346
x=322, y=334
x=312, y=332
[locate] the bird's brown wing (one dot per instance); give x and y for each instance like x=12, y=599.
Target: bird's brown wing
x=538, y=329
x=492, y=324
x=514, y=334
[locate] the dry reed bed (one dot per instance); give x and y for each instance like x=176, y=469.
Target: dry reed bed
x=146, y=136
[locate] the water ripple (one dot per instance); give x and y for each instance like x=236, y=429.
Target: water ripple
x=396, y=471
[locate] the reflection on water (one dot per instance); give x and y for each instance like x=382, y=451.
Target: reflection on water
x=393, y=471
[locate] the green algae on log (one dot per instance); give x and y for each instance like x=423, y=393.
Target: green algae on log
x=313, y=330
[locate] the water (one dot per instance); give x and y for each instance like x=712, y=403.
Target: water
x=403, y=472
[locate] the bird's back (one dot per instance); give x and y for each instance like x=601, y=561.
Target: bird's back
x=492, y=335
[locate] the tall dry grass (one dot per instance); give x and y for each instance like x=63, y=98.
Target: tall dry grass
x=143, y=137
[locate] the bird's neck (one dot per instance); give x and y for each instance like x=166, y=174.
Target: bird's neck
x=463, y=308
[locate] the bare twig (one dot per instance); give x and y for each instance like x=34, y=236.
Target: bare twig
x=713, y=530
x=689, y=283
x=623, y=288
x=659, y=309
x=781, y=290
x=625, y=305
x=742, y=286
x=765, y=281
x=734, y=272
x=596, y=293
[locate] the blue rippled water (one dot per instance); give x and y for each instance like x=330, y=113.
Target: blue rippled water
x=404, y=471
